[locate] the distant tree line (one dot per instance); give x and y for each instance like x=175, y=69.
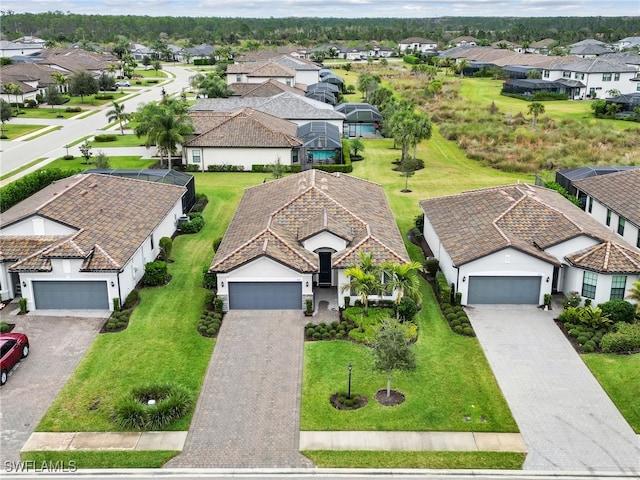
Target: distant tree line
x=61, y=27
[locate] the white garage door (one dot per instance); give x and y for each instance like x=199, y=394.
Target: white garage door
x=512, y=290
x=71, y=295
x=265, y=295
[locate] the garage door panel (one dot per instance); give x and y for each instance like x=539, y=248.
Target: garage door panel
x=506, y=290
x=71, y=295
x=265, y=295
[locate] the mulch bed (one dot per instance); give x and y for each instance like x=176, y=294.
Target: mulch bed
x=336, y=403
x=395, y=398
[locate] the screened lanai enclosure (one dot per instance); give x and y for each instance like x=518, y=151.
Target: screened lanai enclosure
x=322, y=144
x=170, y=177
x=361, y=119
x=529, y=87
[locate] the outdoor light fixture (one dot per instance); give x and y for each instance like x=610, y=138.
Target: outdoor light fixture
x=222, y=284
x=113, y=284
x=547, y=279
x=307, y=284
x=464, y=279
x=24, y=284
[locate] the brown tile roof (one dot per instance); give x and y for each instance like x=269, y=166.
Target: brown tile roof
x=27, y=72
x=504, y=57
x=618, y=191
x=246, y=128
x=268, y=88
x=607, y=257
x=13, y=248
x=528, y=218
x=110, y=216
x=274, y=217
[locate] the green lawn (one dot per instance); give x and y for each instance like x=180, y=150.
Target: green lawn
x=150, y=73
x=15, y=130
x=452, y=380
x=618, y=375
x=46, y=112
x=130, y=162
x=127, y=140
x=102, y=459
x=438, y=460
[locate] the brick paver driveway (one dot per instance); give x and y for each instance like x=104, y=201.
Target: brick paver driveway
x=249, y=406
x=57, y=345
x=566, y=419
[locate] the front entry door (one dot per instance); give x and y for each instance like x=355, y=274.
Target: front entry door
x=324, y=278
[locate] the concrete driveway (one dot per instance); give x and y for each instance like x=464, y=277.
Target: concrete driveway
x=566, y=419
x=248, y=412
x=57, y=345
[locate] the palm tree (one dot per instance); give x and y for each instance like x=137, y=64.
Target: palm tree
x=60, y=79
x=363, y=284
x=404, y=282
x=11, y=88
x=535, y=109
x=462, y=64
x=118, y=113
x=634, y=294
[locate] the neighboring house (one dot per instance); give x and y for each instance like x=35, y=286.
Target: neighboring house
x=417, y=44
x=69, y=60
x=14, y=49
x=589, y=51
x=307, y=72
x=201, y=51
x=31, y=40
x=464, y=41
x=541, y=46
x=259, y=73
x=361, y=119
x=507, y=45
x=32, y=78
x=321, y=144
x=566, y=177
x=138, y=52
x=628, y=43
x=243, y=138
x=628, y=103
x=293, y=235
x=614, y=201
x=514, y=244
x=269, y=88
x=286, y=105
x=84, y=240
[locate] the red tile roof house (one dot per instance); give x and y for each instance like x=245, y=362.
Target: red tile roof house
x=614, y=201
x=293, y=235
x=84, y=240
x=514, y=244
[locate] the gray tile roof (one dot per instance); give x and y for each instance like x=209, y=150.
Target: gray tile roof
x=599, y=65
x=618, y=191
x=110, y=216
x=274, y=217
x=528, y=218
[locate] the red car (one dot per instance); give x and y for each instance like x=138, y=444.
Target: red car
x=13, y=348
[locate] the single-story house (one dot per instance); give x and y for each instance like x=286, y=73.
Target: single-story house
x=268, y=88
x=32, y=78
x=628, y=43
x=514, y=244
x=242, y=138
x=566, y=177
x=293, y=235
x=417, y=44
x=84, y=240
x=361, y=119
x=286, y=105
x=614, y=201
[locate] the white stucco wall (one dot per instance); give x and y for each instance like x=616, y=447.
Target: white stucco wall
x=307, y=77
x=239, y=156
x=36, y=225
x=325, y=240
x=574, y=278
x=631, y=233
x=595, y=81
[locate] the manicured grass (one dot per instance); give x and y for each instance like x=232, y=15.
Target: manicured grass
x=161, y=342
x=452, y=379
x=15, y=130
x=437, y=460
x=618, y=375
x=150, y=73
x=46, y=112
x=131, y=162
x=126, y=140
x=101, y=459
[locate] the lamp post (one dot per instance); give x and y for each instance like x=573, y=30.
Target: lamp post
x=67, y=147
x=349, y=386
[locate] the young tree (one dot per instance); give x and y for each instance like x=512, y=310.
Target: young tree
x=363, y=283
x=536, y=109
x=61, y=80
x=404, y=281
x=52, y=96
x=391, y=350
x=82, y=83
x=117, y=113
x=105, y=81
x=6, y=112
x=157, y=66
x=634, y=295
x=408, y=168
x=461, y=65
x=101, y=160
x=85, y=150
x=356, y=146
x=434, y=88
x=11, y=88
x=146, y=61
x=277, y=169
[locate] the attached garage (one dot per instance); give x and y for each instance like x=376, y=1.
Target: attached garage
x=71, y=295
x=508, y=290
x=265, y=295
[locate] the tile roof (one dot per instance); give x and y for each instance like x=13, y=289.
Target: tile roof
x=618, y=191
x=27, y=72
x=109, y=217
x=607, y=257
x=528, y=218
x=504, y=57
x=273, y=219
x=268, y=88
x=244, y=128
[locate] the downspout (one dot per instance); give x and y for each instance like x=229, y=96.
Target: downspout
x=119, y=291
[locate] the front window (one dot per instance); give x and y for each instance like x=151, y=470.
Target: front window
x=590, y=204
x=638, y=241
x=589, y=284
x=618, y=286
x=238, y=78
x=608, y=217
x=195, y=156
x=616, y=77
x=386, y=280
x=566, y=74
x=579, y=76
x=606, y=77
x=621, y=223
x=546, y=74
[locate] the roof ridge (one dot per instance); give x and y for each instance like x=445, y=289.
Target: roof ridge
x=109, y=257
x=240, y=247
x=275, y=234
x=69, y=187
x=624, y=250
x=43, y=249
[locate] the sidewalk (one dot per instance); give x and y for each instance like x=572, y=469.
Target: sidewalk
x=350, y=440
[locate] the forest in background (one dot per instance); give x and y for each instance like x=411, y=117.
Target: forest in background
x=60, y=27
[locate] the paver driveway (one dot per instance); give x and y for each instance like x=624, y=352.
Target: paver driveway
x=57, y=345
x=249, y=406
x=566, y=419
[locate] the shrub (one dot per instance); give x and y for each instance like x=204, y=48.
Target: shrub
x=431, y=265
x=407, y=309
x=619, y=311
x=573, y=299
x=218, y=303
x=155, y=273
x=588, y=347
x=22, y=302
x=451, y=317
x=209, y=280
x=133, y=411
x=317, y=335
x=625, y=338
x=73, y=109
x=116, y=304
x=570, y=315
x=201, y=202
x=225, y=168
x=444, y=290
x=31, y=183
x=105, y=138
x=166, y=245
x=132, y=299
x=468, y=331
x=195, y=223
x=4, y=327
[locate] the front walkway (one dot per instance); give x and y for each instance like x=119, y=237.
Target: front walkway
x=565, y=417
x=249, y=407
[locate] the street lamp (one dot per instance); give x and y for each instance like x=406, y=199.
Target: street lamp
x=67, y=147
x=349, y=387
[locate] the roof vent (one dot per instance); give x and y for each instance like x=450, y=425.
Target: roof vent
x=324, y=184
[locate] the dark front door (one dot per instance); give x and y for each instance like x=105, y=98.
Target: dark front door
x=324, y=279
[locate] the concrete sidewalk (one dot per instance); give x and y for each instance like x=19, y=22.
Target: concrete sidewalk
x=349, y=440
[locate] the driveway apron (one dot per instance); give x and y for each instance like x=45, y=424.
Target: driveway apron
x=249, y=407
x=565, y=417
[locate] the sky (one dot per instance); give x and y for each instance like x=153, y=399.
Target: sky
x=332, y=8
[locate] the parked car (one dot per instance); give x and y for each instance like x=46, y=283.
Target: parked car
x=13, y=348
x=123, y=83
